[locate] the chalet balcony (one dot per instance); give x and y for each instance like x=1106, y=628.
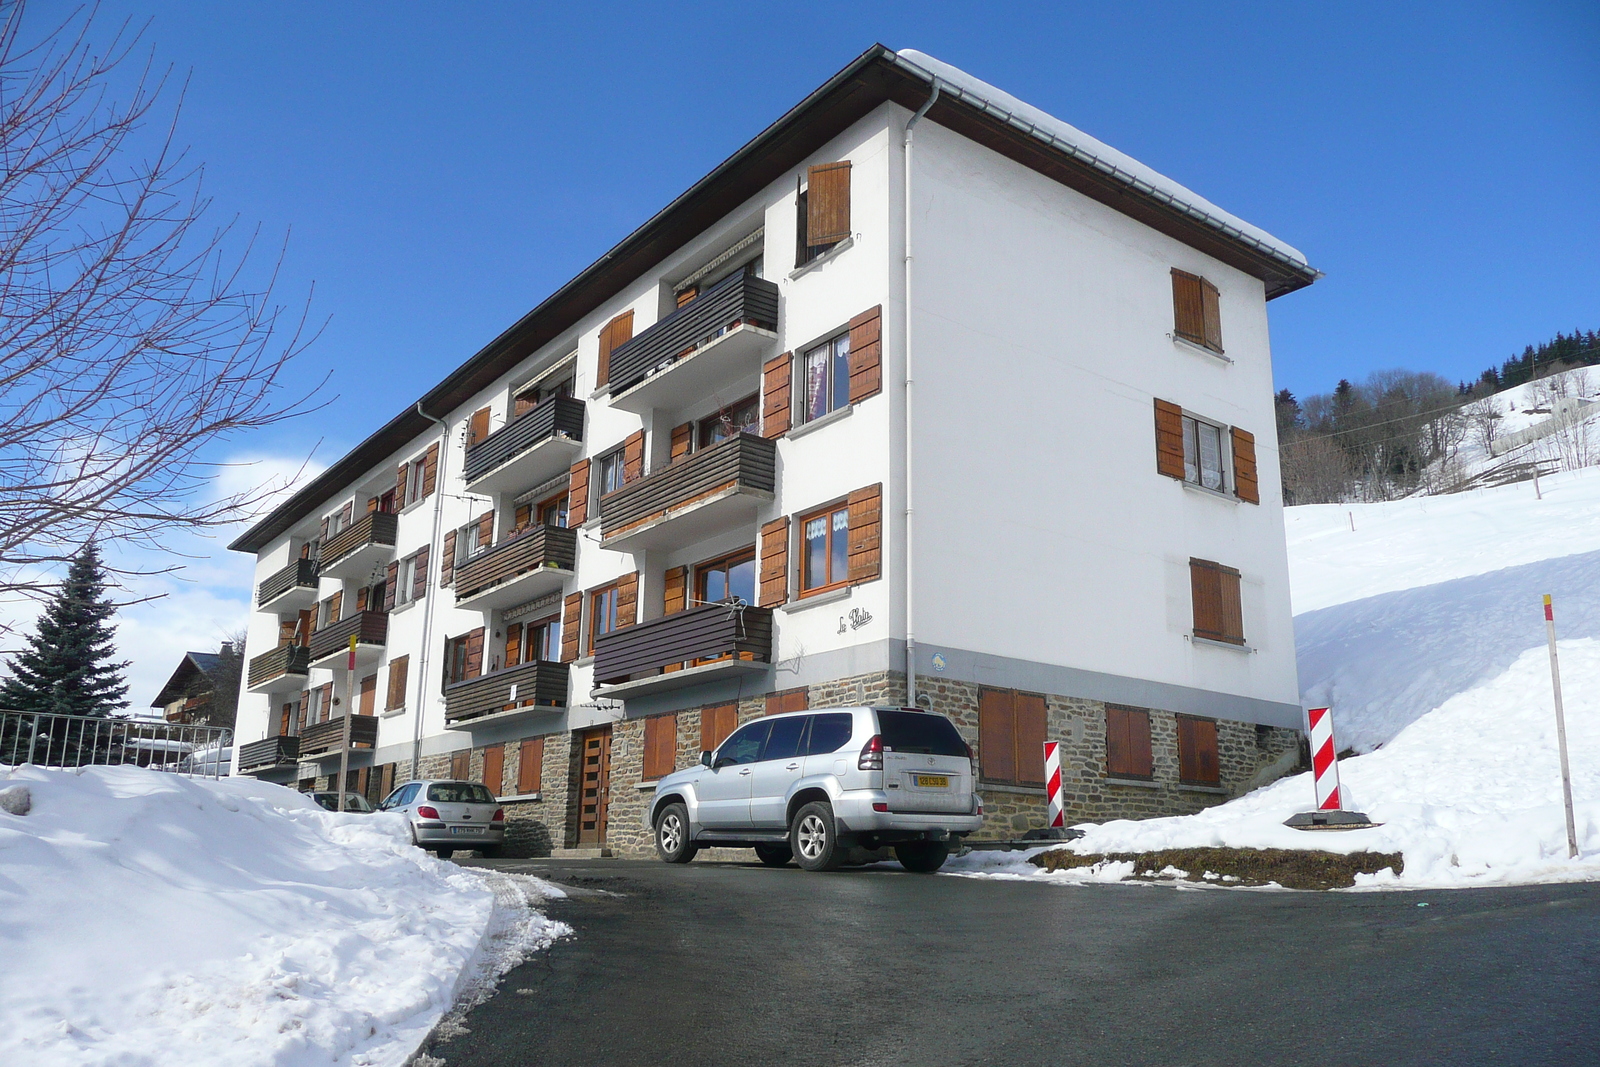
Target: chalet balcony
x=710, y=491
x=365, y=544
x=326, y=737
x=734, y=640
x=330, y=646
x=282, y=669
x=519, y=568
x=528, y=450
x=722, y=335
x=535, y=688
x=292, y=589
x=268, y=754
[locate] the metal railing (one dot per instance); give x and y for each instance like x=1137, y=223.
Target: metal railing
x=46, y=740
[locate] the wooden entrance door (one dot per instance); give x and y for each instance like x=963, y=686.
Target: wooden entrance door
x=594, y=785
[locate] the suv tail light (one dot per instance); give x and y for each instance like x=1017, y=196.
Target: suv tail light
x=970, y=754
x=427, y=812
x=871, y=754
x=499, y=815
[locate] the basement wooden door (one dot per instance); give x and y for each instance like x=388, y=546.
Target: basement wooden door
x=594, y=785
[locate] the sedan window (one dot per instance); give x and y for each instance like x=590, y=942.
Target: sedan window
x=829, y=733
x=744, y=746
x=459, y=793
x=785, y=739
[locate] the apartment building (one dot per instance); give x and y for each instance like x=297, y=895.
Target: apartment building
x=922, y=396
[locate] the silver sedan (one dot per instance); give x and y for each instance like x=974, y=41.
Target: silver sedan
x=447, y=815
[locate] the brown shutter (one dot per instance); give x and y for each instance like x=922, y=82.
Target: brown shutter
x=305, y=708
x=391, y=582
x=361, y=599
x=1218, y=613
x=513, y=646
x=1169, y=439
x=682, y=441
x=286, y=631
x=788, y=700
x=346, y=515
x=494, y=766
x=1188, y=317
x=335, y=607
x=474, y=654
x=461, y=764
x=866, y=514
x=530, y=765
x=398, y=668
x=997, y=736
x=688, y=295
x=827, y=203
x=447, y=562
x=372, y=505
x=633, y=457
x=522, y=405
x=1211, y=311
x=660, y=746
x=477, y=426
x=1030, y=733
x=777, y=380
x=369, y=695
x=616, y=333
x=302, y=631
x=1197, y=751
x=578, y=493
x=327, y=703
x=322, y=538
x=400, y=486
x=419, y=582
x=866, y=354
x=430, y=470
x=522, y=517
x=1128, y=743
x=1245, y=485
x=485, y=529
x=675, y=596
x=716, y=724
x=627, y=600
x=774, y=568
x=571, y=623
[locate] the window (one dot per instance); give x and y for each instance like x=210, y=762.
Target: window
x=826, y=370
x=461, y=792
x=742, y=417
x=530, y=765
x=1202, y=453
x=925, y=735
x=787, y=740
x=825, y=556
x=611, y=472
x=602, y=613
x=829, y=733
x=536, y=641
x=745, y=745
x=553, y=512
x=1197, y=751
x=1011, y=729
x=411, y=580
x=729, y=578
x=660, y=746
x=1218, y=613
x=338, y=522
x=397, y=683
x=1128, y=743
x=716, y=724
x=533, y=396
x=414, y=479
x=463, y=657
x=1196, y=311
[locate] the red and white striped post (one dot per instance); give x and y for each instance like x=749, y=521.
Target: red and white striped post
x=1324, y=760
x=1052, y=783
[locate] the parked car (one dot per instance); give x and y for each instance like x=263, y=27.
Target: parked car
x=810, y=785
x=352, y=802
x=447, y=815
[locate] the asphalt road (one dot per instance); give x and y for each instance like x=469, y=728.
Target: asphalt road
x=719, y=963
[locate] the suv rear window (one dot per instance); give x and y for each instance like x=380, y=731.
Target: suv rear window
x=914, y=731
x=459, y=793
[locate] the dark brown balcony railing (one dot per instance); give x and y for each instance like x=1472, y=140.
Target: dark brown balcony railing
x=269, y=752
x=535, y=547
x=327, y=736
x=373, y=528
x=560, y=415
x=369, y=628
x=732, y=301
x=301, y=574
x=283, y=660
x=537, y=684
x=706, y=632
x=742, y=461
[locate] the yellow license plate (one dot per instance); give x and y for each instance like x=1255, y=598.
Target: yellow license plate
x=933, y=781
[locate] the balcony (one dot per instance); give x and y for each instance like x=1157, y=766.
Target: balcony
x=327, y=737
x=292, y=589
x=280, y=670
x=710, y=491
x=722, y=335
x=330, y=646
x=535, y=688
x=357, y=550
x=742, y=636
x=269, y=754
x=519, y=568
x=529, y=450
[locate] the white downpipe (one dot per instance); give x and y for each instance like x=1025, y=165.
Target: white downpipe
x=910, y=583
x=430, y=608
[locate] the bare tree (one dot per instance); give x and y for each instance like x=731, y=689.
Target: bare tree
x=134, y=336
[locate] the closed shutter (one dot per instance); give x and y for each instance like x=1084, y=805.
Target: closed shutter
x=325, y=703
x=485, y=529
x=461, y=764
x=285, y=719
x=777, y=380
x=686, y=296
x=866, y=515
x=447, y=562
x=616, y=333
x=391, y=582
x=997, y=737
x=578, y=493
x=346, y=516
x=660, y=746
x=477, y=427
x=322, y=538
x=1211, y=312
x=827, y=203
x=522, y=517
x=788, y=700
x=682, y=441
x=1218, y=613
x=474, y=654
x=522, y=405
x=369, y=695
x=361, y=599
x=335, y=604
x=302, y=630
x=716, y=724
x=386, y=781
x=1188, y=314
x=571, y=623
x=400, y=486
x=286, y=629
x=494, y=765
x=774, y=563
x=419, y=582
x=1169, y=439
x=372, y=505
x=530, y=765
x=305, y=708
x=675, y=592
x=513, y=646
x=1197, y=751
x=1128, y=752
x=1245, y=485
x=430, y=470
x=633, y=457
x=627, y=600
x=1030, y=709
x=398, y=668
x=866, y=354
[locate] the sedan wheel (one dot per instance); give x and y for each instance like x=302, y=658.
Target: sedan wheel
x=815, y=839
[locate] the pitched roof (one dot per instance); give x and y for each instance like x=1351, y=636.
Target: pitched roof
x=193, y=663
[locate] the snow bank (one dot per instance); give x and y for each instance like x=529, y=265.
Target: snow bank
x=149, y=919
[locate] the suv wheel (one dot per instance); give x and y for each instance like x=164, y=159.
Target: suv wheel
x=672, y=835
x=774, y=855
x=815, y=838
x=922, y=857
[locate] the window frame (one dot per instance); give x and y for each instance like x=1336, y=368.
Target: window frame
x=727, y=561
x=834, y=385
x=752, y=403
x=1224, y=442
x=613, y=590
x=828, y=512
x=615, y=460
x=405, y=581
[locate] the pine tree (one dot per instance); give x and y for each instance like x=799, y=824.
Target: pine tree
x=66, y=668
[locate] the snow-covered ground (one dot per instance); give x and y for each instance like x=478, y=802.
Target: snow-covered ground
x=149, y=919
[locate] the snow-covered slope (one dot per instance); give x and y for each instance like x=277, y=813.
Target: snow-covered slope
x=149, y=919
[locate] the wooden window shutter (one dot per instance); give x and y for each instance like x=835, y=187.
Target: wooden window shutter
x=777, y=381
x=521, y=405
x=461, y=764
x=399, y=487
x=1128, y=752
x=788, y=700
x=322, y=538
x=286, y=631
x=335, y=607
x=571, y=625
x=1211, y=314
x=474, y=654
x=305, y=708
x=716, y=724
x=477, y=426
x=682, y=441
x=1197, y=751
x=997, y=736
x=391, y=581
x=774, y=569
x=369, y=695
x=1245, y=485
x=372, y=504
x=513, y=645
x=361, y=599
x=494, y=768
x=419, y=582
x=346, y=515
x=1169, y=439
x=866, y=524
x=1030, y=734
x=675, y=594
x=578, y=493
x=1188, y=314
x=866, y=354
x=430, y=470
x=485, y=529
x=447, y=561
x=1218, y=613
x=522, y=517
x=530, y=765
x=633, y=457
x=827, y=203
x=616, y=333
x=660, y=746
x=628, y=600
x=687, y=296
x=302, y=631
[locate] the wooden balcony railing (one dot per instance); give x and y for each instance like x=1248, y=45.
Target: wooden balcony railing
x=536, y=684
x=373, y=528
x=560, y=415
x=369, y=628
x=269, y=752
x=732, y=301
x=283, y=660
x=327, y=736
x=535, y=547
x=301, y=574
x=742, y=461
x=700, y=633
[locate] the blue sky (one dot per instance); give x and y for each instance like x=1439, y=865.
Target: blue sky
x=443, y=167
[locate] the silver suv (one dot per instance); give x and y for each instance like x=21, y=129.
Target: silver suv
x=809, y=785
x=448, y=815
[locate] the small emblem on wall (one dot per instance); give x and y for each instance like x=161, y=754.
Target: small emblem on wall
x=938, y=662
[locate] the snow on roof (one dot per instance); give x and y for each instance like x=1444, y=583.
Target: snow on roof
x=1098, y=154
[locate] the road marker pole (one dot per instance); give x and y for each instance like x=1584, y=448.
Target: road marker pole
x=1561, y=728
x=349, y=709
x=1324, y=761
x=1052, y=780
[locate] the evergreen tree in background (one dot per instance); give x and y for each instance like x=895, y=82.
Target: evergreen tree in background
x=66, y=668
